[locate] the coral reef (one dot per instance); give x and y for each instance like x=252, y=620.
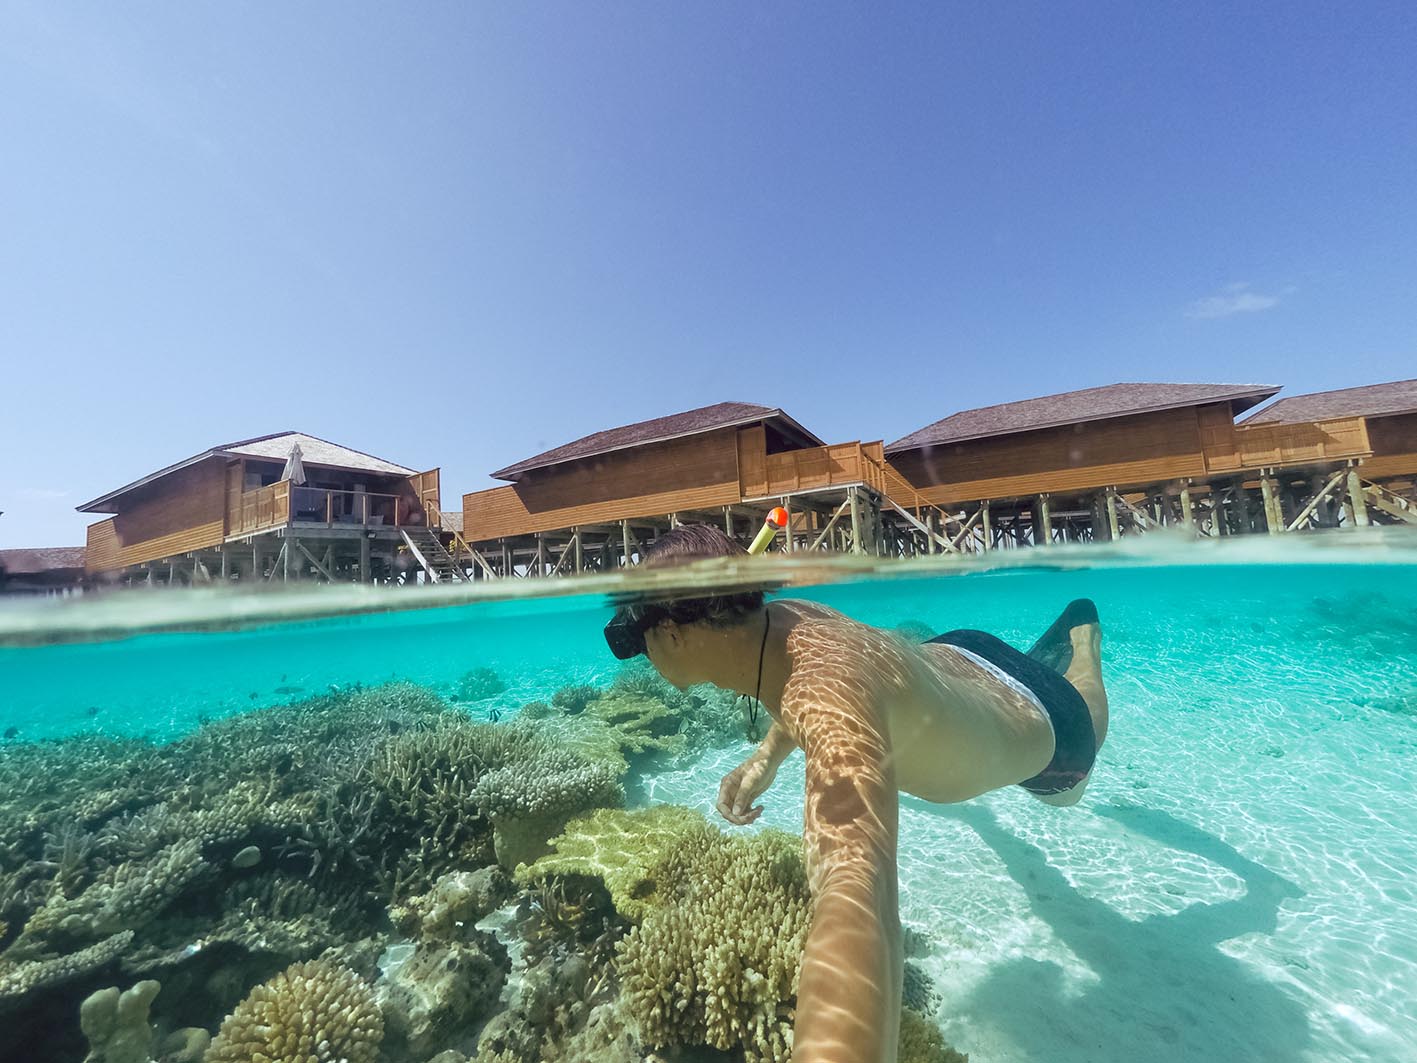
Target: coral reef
x=260, y=840
x=266, y=865
x=454, y=903
x=312, y=1012
x=480, y=684
x=922, y=1042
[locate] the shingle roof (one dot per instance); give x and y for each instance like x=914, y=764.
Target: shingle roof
x=273, y=447
x=1072, y=407
x=657, y=430
x=1372, y=400
x=41, y=559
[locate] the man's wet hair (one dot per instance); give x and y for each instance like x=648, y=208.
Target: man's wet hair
x=686, y=543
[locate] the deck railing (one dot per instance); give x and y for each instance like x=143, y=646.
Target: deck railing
x=1266, y=445
x=812, y=468
x=283, y=503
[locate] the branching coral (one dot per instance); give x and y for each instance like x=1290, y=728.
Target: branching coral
x=922, y=1042
x=313, y=1012
x=20, y=979
x=126, y=896
x=717, y=963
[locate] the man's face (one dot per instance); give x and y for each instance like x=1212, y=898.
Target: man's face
x=666, y=649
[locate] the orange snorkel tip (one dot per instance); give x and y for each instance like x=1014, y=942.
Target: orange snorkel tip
x=777, y=520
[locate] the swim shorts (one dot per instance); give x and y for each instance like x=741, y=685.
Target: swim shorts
x=1074, y=740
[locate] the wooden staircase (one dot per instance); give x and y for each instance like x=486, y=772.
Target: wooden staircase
x=427, y=548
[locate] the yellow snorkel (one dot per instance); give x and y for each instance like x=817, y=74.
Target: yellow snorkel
x=777, y=520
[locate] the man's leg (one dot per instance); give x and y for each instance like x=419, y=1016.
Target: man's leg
x=1073, y=645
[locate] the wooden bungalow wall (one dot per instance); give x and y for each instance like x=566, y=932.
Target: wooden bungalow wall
x=696, y=472
x=1394, y=441
x=1146, y=448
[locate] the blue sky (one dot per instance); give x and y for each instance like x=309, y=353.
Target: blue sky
x=459, y=234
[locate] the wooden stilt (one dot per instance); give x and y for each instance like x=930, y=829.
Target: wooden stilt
x=1187, y=515
x=1359, y=507
x=1113, y=528
x=986, y=526
x=854, y=497
x=1273, y=517
x=540, y=556
x=576, y=542
x=1043, y=522
x=285, y=553
x=787, y=531
x=625, y=539
x=364, y=575
x=223, y=563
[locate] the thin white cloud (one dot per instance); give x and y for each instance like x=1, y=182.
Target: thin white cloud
x=41, y=494
x=1235, y=299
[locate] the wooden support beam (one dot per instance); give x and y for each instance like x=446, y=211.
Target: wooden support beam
x=1187, y=514
x=1113, y=528
x=1043, y=521
x=787, y=531
x=986, y=526
x=1320, y=496
x=540, y=556
x=831, y=524
x=580, y=554
x=321, y=569
x=223, y=563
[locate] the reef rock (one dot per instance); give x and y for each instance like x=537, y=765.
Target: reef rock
x=439, y=993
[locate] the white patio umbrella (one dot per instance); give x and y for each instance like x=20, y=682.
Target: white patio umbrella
x=294, y=468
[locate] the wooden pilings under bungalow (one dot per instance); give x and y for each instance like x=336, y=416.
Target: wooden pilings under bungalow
x=1090, y=465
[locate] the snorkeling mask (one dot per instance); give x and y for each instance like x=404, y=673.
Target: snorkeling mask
x=625, y=634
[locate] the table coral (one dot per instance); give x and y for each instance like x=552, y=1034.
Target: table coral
x=622, y=849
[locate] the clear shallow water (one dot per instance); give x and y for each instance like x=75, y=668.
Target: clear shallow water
x=1236, y=884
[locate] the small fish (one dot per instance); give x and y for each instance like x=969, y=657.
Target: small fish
x=288, y=690
x=252, y=695
x=494, y=714
x=92, y=710
x=11, y=732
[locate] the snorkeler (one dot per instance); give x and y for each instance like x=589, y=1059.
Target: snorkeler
x=948, y=720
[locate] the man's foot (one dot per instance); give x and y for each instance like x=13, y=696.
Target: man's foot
x=1055, y=648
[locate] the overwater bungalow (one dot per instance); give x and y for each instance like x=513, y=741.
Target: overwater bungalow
x=277, y=507
x=53, y=570
x=1388, y=474
x=595, y=502
x=1105, y=461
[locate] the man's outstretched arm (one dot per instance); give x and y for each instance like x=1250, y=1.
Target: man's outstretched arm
x=848, y=997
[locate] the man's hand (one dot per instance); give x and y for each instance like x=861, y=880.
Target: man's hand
x=744, y=785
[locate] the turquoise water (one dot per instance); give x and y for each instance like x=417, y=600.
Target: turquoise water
x=1236, y=884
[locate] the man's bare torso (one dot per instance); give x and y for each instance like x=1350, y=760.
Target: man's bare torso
x=954, y=728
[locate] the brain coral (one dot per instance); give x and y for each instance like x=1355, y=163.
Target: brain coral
x=314, y=1012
